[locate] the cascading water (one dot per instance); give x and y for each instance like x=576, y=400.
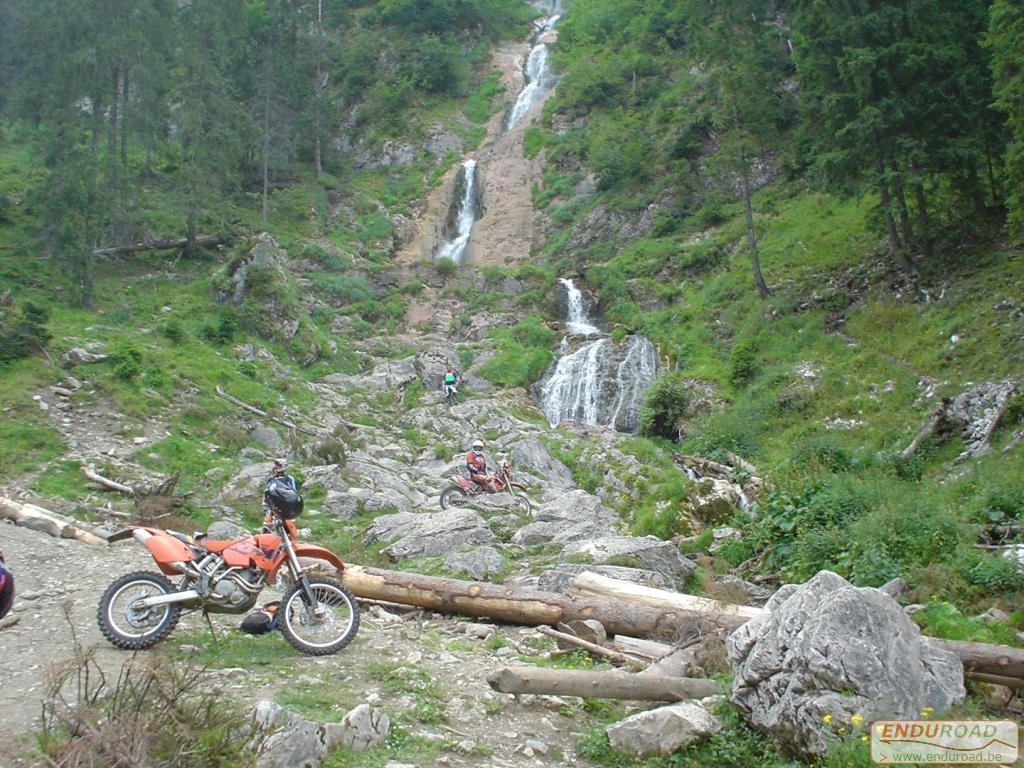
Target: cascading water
x=537, y=72
x=455, y=248
x=577, y=323
x=601, y=382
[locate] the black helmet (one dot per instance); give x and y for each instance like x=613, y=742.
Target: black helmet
x=285, y=501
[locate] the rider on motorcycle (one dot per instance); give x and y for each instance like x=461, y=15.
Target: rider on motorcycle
x=476, y=465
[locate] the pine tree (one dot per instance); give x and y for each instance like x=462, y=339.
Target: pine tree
x=1006, y=42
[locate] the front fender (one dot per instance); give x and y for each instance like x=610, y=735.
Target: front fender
x=313, y=552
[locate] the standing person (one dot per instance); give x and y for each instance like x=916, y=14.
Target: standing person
x=6, y=588
x=451, y=381
x=476, y=465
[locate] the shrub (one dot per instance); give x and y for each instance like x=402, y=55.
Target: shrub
x=742, y=362
x=127, y=361
x=22, y=331
x=445, y=267
x=665, y=404
x=225, y=330
x=173, y=331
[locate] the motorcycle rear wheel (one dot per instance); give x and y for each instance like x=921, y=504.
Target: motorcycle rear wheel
x=453, y=496
x=324, y=634
x=131, y=628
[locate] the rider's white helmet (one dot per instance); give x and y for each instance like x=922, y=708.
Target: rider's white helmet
x=478, y=445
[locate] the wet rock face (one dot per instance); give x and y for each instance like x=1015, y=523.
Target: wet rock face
x=831, y=655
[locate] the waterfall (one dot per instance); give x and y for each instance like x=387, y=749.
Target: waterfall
x=601, y=382
x=454, y=249
x=637, y=369
x=577, y=323
x=536, y=72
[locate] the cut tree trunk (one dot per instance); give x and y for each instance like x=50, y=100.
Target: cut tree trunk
x=600, y=685
x=528, y=607
x=45, y=521
x=934, y=422
x=595, y=585
x=158, y=245
x=91, y=473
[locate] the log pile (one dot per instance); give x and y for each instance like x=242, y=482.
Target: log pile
x=45, y=521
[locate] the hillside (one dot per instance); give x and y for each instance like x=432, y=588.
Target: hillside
x=783, y=280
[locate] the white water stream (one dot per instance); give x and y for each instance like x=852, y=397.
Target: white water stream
x=455, y=248
x=601, y=382
x=536, y=72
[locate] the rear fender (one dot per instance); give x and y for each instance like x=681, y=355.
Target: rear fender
x=314, y=553
x=164, y=548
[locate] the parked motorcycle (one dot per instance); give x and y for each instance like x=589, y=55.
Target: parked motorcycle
x=464, y=489
x=318, y=616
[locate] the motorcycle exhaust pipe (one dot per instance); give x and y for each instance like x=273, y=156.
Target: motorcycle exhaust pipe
x=173, y=597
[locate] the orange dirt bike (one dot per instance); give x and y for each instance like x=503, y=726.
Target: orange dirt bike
x=317, y=616
x=459, y=494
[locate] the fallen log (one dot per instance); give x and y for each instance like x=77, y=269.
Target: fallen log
x=702, y=466
x=981, y=658
x=937, y=418
x=600, y=685
x=158, y=245
x=91, y=473
x=263, y=414
x=637, y=646
x=45, y=521
x=593, y=648
x=528, y=607
x=595, y=585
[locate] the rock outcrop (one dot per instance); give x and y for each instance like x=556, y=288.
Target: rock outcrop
x=830, y=655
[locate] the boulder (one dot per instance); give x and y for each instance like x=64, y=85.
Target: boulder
x=225, y=529
x=340, y=505
x=715, y=501
x=389, y=375
x=479, y=564
x=362, y=728
x=327, y=476
x=246, y=487
x=532, y=456
x=663, y=730
x=266, y=436
x=79, y=356
x=559, y=578
x=429, y=535
x=646, y=552
x=829, y=651
x=293, y=741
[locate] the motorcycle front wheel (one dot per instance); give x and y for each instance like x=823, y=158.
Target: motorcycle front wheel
x=127, y=625
x=453, y=496
x=523, y=504
x=324, y=630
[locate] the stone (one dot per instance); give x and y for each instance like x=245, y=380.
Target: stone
x=341, y=505
x=479, y=564
x=559, y=578
x=79, y=356
x=293, y=742
x=429, y=535
x=224, y=529
x=247, y=485
x=268, y=437
x=663, y=730
x=362, y=728
x=644, y=552
x=532, y=456
x=994, y=614
x=831, y=649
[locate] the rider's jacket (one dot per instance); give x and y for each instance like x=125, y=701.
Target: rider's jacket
x=476, y=464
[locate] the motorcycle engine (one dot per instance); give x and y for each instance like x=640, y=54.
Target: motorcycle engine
x=229, y=594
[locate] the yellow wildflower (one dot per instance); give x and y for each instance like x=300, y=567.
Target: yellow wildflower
x=864, y=737
x=827, y=718
x=842, y=730
x=926, y=711
x=856, y=719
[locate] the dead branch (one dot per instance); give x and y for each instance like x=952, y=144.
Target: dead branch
x=264, y=414
x=45, y=521
x=91, y=473
x=593, y=648
x=701, y=465
x=934, y=422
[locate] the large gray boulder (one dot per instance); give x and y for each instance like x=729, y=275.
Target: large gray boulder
x=831, y=649
x=362, y=728
x=560, y=577
x=644, y=552
x=246, y=487
x=566, y=517
x=531, y=456
x=291, y=741
x=663, y=730
x=429, y=535
x=479, y=564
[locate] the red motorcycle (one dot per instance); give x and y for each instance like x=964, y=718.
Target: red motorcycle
x=464, y=489
x=318, y=616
